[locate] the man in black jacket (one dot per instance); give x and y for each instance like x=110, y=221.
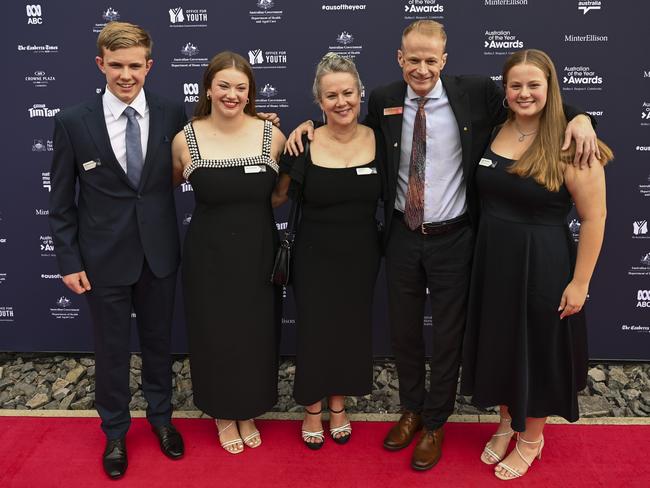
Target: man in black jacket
x=117, y=240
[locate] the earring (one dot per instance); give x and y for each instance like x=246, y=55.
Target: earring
x=247, y=100
x=324, y=117
x=504, y=102
x=207, y=95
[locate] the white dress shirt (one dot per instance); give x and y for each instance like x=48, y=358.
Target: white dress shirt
x=116, y=123
x=444, y=188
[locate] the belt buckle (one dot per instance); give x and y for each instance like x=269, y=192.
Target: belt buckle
x=423, y=229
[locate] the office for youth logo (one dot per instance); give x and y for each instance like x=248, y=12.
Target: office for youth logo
x=586, y=6
x=260, y=59
x=34, y=14
x=188, y=17
x=6, y=314
x=640, y=229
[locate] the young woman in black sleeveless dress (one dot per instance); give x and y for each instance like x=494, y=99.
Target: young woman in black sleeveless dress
x=525, y=344
x=229, y=156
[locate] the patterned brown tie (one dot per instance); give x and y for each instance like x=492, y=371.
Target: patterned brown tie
x=414, y=207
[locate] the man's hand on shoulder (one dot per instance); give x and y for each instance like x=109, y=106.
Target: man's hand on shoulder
x=294, y=142
x=582, y=132
x=77, y=282
x=271, y=117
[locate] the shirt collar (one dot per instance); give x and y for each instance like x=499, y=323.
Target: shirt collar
x=436, y=91
x=117, y=106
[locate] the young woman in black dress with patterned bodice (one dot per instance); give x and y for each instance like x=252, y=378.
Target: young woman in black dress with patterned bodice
x=232, y=311
x=525, y=344
x=336, y=255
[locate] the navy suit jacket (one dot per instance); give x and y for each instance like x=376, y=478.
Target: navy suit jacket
x=100, y=223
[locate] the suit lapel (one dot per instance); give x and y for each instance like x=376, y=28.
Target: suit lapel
x=96, y=124
x=156, y=124
x=393, y=123
x=459, y=102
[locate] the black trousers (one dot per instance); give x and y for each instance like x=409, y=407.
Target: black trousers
x=441, y=263
x=152, y=299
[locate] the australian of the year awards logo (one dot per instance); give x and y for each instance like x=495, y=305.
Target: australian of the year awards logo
x=581, y=78
x=64, y=309
x=640, y=229
x=188, y=17
x=47, y=246
x=6, y=314
x=42, y=110
x=40, y=79
x=189, y=57
x=501, y=42
x=273, y=59
x=265, y=12
x=586, y=6
x=645, y=113
x=423, y=9
x=42, y=145
x=34, y=14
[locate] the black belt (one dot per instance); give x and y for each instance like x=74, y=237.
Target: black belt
x=438, y=228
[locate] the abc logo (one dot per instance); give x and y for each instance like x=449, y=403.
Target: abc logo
x=643, y=299
x=34, y=13
x=191, y=91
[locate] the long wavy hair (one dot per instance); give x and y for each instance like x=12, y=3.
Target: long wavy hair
x=221, y=61
x=544, y=161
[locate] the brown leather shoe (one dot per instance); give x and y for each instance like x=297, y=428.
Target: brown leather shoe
x=428, y=449
x=402, y=433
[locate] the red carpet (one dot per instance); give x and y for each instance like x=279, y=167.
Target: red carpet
x=64, y=452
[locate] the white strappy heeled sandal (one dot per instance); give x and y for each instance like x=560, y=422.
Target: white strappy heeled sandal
x=510, y=473
x=307, y=436
x=487, y=450
x=345, y=429
x=233, y=447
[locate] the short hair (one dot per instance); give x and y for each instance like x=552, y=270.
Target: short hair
x=427, y=28
x=221, y=61
x=334, y=63
x=121, y=35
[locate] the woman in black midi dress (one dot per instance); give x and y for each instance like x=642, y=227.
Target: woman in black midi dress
x=525, y=345
x=337, y=253
x=232, y=311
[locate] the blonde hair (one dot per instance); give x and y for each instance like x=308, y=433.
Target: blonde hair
x=221, y=61
x=121, y=35
x=544, y=160
x=427, y=28
x=333, y=63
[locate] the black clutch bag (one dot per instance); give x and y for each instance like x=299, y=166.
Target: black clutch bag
x=281, y=273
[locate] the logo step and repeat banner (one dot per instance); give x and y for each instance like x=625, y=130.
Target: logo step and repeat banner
x=50, y=49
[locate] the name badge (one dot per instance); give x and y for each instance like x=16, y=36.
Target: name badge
x=393, y=110
x=92, y=164
x=488, y=163
x=258, y=168
x=366, y=171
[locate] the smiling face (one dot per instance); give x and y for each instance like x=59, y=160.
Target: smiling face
x=422, y=58
x=340, y=99
x=125, y=70
x=526, y=90
x=229, y=92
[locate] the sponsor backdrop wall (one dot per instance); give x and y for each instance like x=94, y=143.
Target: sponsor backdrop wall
x=49, y=49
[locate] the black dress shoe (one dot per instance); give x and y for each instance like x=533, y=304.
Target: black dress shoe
x=114, y=459
x=171, y=442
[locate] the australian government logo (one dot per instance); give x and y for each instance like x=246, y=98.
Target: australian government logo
x=574, y=229
x=266, y=12
x=346, y=45
x=40, y=79
x=189, y=57
x=188, y=17
x=581, y=78
x=586, y=6
x=38, y=48
x=423, y=9
x=43, y=111
x=501, y=43
x=42, y=145
x=642, y=268
x=64, y=309
x=108, y=15
x=6, y=314
x=644, y=186
x=640, y=229
x=47, y=247
x=269, y=97
x=262, y=59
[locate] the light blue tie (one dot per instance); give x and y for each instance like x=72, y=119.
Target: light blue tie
x=134, y=161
